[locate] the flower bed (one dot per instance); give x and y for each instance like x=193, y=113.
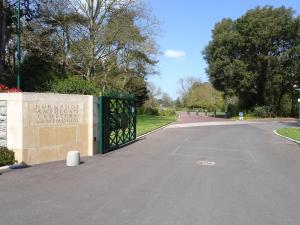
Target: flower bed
x=5, y=89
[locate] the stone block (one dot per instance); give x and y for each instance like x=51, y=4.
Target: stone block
x=3, y=143
x=3, y=118
x=2, y=135
x=73, y=158
x=3, y=128
x=3, y=112
x=3, y=103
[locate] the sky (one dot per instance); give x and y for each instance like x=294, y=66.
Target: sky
x=185, y=31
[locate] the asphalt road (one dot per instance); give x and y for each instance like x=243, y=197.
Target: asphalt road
x=158, y=181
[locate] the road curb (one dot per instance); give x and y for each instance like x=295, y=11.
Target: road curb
x=285, y=137
x=4, y=169
x=153, y=131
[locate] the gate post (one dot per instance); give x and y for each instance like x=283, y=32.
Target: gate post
x=100, y=105
x=134, y=120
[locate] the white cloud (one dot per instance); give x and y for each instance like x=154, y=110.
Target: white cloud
x=175, y=54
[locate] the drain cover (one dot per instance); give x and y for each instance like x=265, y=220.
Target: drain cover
x=205, y=163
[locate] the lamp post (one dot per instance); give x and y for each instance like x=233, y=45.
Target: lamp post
x=298, y=89
x=19, y=45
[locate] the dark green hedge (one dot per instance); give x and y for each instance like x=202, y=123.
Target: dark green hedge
x=7, y=157
x=263, y=111
x=75, y=85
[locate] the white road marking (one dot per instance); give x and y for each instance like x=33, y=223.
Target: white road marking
x=186, y=139
x=252, y=156
x=215, y=149
x=175, y=150
x=205, y=163
x=213, y=157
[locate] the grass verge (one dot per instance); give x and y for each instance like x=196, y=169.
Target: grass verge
x=146, y=123
x=247, y=118
x=293, y=133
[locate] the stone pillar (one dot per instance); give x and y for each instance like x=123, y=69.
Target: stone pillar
x=3, y=124
x=44, y=127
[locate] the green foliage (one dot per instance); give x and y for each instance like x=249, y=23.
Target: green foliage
x=137, y=87
x=141, y=110
x=203, y=95
x=38, y=74
x=263, y=112
x=151, y=111
x=168, y=112
x=286, y=108
x=144, y=110
x=7, y=157
x=75, y=85
x=256, y=57
x=111, y=45
x=232, y=110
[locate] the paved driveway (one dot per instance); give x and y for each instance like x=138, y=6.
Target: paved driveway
x=192, y=117
x=157, y=181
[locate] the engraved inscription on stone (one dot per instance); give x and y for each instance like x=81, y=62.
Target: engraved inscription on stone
x=3, y=123
x=55, y=113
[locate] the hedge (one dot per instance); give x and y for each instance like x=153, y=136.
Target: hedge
x=7, y=157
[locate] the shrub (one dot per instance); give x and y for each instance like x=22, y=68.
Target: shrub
x=232, y=110
x=7, y=157
x=75, y=85
x=285, y=106
x=151, y=111
x=141, y=110
x=262, y=111
x=168, y=112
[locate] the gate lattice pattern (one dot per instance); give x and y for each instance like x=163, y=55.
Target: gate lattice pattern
x=117, y=122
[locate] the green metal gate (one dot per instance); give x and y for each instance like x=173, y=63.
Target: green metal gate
x=117, y=122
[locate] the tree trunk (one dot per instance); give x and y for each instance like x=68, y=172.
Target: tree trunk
x=262, y=83
x=3, y=34
x=92, y=55
x=293, y=108
x=279, y=99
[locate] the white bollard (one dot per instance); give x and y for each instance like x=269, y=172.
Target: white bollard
x=73, y=158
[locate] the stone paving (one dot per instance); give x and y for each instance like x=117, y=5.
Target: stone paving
x=214, y=175
x=192, y=117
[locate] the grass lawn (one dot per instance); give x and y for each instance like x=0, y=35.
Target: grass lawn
x=217, y=114
x=247, y=118
x=147, y=123
x=293, y=133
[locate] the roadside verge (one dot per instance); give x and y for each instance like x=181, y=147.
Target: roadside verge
x=153, y=131
x=288, y=138
x=149, y=123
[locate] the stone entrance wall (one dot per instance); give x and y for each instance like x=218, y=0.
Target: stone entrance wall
x=44, y=127
x=3, y=124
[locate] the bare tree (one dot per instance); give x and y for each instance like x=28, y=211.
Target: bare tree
x=91, y=36
x=186, y=83
x=96, y=43
x=166, y=100
x=153, y=92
